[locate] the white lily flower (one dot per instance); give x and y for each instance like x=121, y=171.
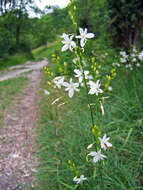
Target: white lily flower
x=97, y=156
x=84, y=36
x=68, y=43
x=87, y=76
x=95, y=88
x=79, y=75
x=110, y=88
x=134, y=50
x=123, y=60
x=79, y=180
x=122, y=53
x=133, y=55
x=138, y=64
x=47, y=92
x=115, y=64
x=58, y=81
x=71, y=87
x=134, y=59
x=105, y=142
x=141, y=56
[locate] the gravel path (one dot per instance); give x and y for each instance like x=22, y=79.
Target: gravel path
x=15, y=71
x=17, y=163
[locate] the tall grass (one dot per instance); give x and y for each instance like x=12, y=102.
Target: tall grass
x=65, y=133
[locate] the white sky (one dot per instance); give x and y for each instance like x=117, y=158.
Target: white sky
x=43, y=3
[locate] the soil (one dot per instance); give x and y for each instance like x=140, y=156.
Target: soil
x=17, y=136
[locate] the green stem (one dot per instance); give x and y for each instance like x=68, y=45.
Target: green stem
x=85, y=83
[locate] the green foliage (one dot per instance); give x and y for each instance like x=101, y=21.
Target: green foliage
x=126, y=22
x=12, y=60
x=20, y=34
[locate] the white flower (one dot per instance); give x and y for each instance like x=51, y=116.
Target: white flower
x=127, y=66
x=110, y=88
x=71, y=87
x=97, y=156
x=47, y=92
x=141, y=56
x=134, y=59
x=123, y=60
x=115, y=64
x=68, y=43
x=87, y=76
x=131, y=68
x=95, y=88
x=79, y=180
x=133, y=55
x=58, y=81
x=83, y=36
x=79, y=75
x=134, y=50
x=104, y=142
x=123, y=53
x=138, y=64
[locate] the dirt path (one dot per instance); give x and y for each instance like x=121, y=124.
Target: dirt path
x=17, y=162
x=15, y=71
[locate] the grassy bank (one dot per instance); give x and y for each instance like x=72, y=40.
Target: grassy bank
x=65, y=133
x=17, y=59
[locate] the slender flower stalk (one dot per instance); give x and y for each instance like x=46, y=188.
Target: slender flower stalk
x=85, y=83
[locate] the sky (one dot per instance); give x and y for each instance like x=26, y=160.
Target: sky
x=43, y=3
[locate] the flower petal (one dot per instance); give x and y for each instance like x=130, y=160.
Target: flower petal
x=92, y=153
x=82, y=42
x=73, y=44
x=71, y=93
x=66, y=84
x=81, y=31
x=78, y=36
x=90, y=35
x=65, y=47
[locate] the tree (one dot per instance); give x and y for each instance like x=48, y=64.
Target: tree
x=13, y=18
x=126, y=21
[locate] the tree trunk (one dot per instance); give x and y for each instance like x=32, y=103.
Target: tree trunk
x=18, y=29
x=18, y=34
x=137, y=32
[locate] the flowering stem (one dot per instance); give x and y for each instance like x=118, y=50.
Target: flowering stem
x=85, y=83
